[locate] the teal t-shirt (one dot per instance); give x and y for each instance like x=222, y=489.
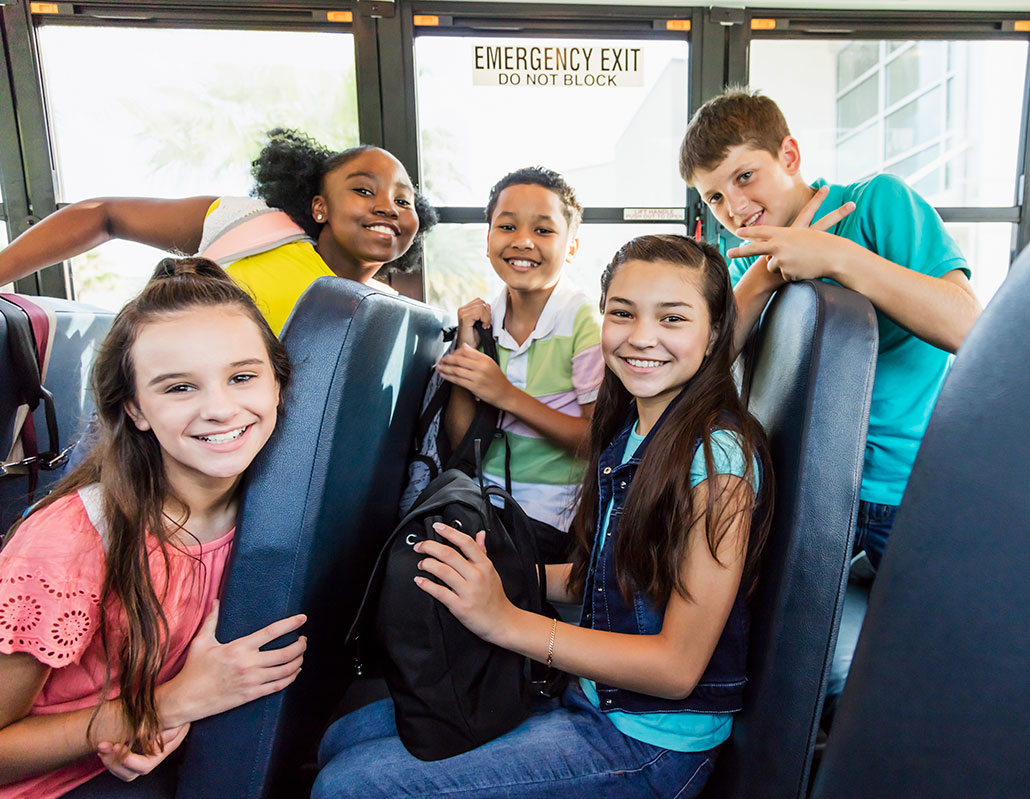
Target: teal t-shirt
x=679, y=732
x=894, y=222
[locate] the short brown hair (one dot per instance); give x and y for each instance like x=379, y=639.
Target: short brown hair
x=737, y=116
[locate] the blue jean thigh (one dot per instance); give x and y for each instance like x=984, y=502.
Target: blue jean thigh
x=567, y=750
x=875, y=522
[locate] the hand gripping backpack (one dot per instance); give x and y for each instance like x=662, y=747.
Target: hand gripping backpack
x=452, y=691
x=433, y=451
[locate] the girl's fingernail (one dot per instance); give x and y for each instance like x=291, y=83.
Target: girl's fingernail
x=438, y=526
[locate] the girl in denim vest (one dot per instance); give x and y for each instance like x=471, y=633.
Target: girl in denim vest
x=672, y=519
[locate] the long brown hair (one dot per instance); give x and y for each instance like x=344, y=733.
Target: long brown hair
x=127, y=464
x=656, y=524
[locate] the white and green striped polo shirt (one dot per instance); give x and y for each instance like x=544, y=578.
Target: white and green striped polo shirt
x=560, y=365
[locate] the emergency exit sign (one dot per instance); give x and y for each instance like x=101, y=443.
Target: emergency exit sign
x=557, y=65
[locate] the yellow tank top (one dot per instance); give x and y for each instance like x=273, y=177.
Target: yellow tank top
x=276, y=278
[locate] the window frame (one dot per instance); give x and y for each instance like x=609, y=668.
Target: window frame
x=719, y=52
x=540, y=21
x=800, y=24
x=28, y=145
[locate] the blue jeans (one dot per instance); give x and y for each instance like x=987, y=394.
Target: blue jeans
x=567, y=749
x=871, y=533
x=873, y=529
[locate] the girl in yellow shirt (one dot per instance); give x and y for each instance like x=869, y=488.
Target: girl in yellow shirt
x=349, y=214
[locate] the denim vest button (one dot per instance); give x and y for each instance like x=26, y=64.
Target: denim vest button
x=600, y=590
x=607, y=702
x=606, y=470
x=622, y=484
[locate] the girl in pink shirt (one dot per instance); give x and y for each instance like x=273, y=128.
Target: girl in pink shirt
x=108, y=589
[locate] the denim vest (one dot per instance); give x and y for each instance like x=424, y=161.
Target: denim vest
x=721, y=687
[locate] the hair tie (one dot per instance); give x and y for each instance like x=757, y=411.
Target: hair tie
x=166, y=268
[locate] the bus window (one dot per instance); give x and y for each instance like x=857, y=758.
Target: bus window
x=602, y=138
x=458, y=269
x=910, y=108
x=603, y=112
x=187, y=118
x=916, y=109
x=988, y=248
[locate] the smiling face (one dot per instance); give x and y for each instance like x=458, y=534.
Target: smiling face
x=206, y=390
x=656, y=331
x=529, y=240
x=368, y=207
x=754, y=187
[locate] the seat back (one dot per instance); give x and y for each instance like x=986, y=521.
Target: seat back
x=810, y=381
x=78, y=334
x=319, y=501
x=937, y=698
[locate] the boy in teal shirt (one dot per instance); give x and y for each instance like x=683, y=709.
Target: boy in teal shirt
x=877, y=237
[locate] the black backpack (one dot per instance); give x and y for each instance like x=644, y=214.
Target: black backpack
x=452, y=691
x=433, y=451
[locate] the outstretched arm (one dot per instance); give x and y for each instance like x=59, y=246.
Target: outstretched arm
x=174, y=225
x=668, y=664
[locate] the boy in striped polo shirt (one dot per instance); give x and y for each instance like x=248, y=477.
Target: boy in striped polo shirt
x=548, y=342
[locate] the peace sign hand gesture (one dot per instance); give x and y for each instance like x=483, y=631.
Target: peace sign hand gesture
x=804, y=250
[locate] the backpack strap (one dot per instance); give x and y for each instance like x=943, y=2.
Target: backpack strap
x=30, y=341
x=257, y=232
x=485, y=424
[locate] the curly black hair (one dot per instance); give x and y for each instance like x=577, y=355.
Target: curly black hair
x=540, y=176
x=290, y=171
x=412, y=259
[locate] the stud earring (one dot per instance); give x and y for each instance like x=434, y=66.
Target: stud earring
x=318, y=217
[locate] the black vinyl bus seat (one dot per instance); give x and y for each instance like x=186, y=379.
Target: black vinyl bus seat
x=80, y=331
x=936, y=702
x=811, y=380
x=319, y=501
